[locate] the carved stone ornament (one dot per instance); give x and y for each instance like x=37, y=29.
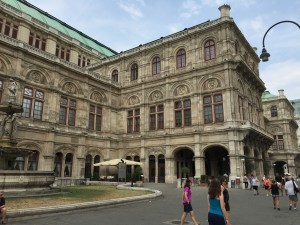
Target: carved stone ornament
x=1, y=66
x=155, y=96
x=36, y=77
x=182, y=90
x=274, y=130
x=211, y=84
x=70, y=88
x=97, y=97
x=133, y=100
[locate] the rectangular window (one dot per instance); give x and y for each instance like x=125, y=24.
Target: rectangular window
x=7, y=28
x=83, y=61
x=95, y=118
x=278, y=143
x=156, y=118
x=33, y=103
x=183, y=113
x=67, y=112
x=62, y=52
x=133, y=121
x=213, y=109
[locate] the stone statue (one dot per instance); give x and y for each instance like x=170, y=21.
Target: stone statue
x=12, y=89
x=9, y=126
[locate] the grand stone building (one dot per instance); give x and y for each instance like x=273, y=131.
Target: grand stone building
x=191, y=99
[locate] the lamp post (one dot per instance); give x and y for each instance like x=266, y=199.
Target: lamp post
x=264, y=54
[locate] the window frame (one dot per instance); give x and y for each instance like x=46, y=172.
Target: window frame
x=156, y=65
x=134, y=72
x=211, y=106
x=181, y=58
x=209, y=50
x=133, y=121
x=273, y=111
x=37, y=41
x=96, y=116
x=62, y=52
x=115, y=75
x=69, y=112
x=182, y=113
x=156, y=122
x=36, y=104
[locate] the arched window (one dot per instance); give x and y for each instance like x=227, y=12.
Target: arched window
x=156, y=65
x=33, y=161
x=273, y=111
x=88, y=167
x=68, y=165
x=58, y=164
x=209, y=50
x=180, y=58
x=134, y=72
x=114, y=76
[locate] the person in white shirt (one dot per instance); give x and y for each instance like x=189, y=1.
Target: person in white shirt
x=289, y=190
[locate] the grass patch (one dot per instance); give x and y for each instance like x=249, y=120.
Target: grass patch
x=76, y=194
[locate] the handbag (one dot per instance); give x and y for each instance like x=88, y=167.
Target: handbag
x=296, y=190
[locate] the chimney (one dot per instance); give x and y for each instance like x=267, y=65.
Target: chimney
x=225, y=10
x=281, y=93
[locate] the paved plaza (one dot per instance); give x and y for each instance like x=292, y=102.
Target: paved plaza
x=246, y=209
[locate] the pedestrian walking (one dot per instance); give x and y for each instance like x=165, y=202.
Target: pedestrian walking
x=217, y=214
x=279, y=180
x=275, y=187
x=187, y=203
x=291, y=192
x=255, y=183
x=245, y=181
x=250, y=180
x=2, y=208
x=267, y=184
x=225, y=192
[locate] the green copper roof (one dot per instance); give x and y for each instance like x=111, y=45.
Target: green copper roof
x=44, y=17
x=267, y=94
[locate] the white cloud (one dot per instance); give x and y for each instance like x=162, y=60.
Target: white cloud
x=132, y=10
x=282, y=75
x=191, y=8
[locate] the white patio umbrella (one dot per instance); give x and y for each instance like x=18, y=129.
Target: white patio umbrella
x=115, y=162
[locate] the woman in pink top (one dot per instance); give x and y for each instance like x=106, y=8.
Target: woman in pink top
x=187, y=206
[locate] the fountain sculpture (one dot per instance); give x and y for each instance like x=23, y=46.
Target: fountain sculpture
x=15, y=173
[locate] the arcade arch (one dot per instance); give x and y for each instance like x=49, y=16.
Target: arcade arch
x=217, y=161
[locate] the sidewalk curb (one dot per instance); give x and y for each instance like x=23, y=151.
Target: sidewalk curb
x=11, y=214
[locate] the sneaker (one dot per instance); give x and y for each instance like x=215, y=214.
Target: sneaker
x=278, y=209
x=295, y=208
x=290, y=208
x=267, y=195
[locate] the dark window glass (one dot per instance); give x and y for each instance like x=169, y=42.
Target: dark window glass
x=33, y=102
x=213, y=108
x=180, y=58
x=209, y=50
x=114, y=76
x=274, y=111
x=156, y=66
x=134, y=72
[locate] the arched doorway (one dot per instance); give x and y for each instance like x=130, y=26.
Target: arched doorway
x=88, y=167
x=96, y=172
x=184, y=158
x=217, y=161
x=161, y=168
x=58, y=164
x=280, y=167
x=151, y=168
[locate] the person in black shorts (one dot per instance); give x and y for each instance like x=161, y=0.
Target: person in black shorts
x=223, y=182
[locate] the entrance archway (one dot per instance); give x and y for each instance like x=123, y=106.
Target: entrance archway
x=184, y=158
x=280, y=167
x=217, y=161
x=151, y=168
x=161, y=169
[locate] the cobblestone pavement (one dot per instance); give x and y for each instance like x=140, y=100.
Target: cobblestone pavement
x=246, y=209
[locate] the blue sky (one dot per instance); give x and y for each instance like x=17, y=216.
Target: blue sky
x=124, y=24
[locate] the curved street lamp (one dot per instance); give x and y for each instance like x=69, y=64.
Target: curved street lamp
x=264, y=54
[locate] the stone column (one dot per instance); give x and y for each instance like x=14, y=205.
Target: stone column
x=74, y=56
x=26, y=162
x=156, y=168
x=51, y=45
x=23, y=33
